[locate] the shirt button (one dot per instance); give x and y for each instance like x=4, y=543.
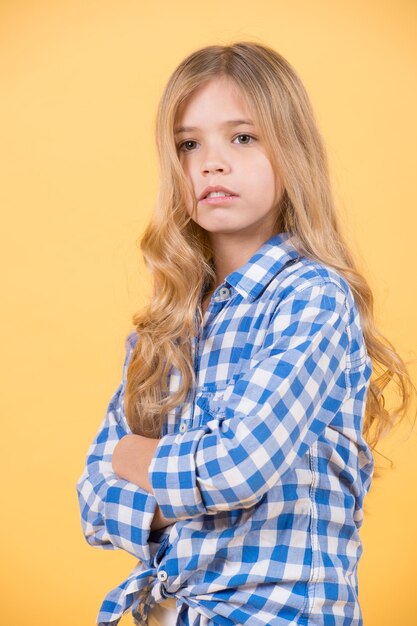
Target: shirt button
x=183, y=427
x=162, y=575
x=225, y=292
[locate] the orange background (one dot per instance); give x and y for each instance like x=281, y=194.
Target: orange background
x=79, y=84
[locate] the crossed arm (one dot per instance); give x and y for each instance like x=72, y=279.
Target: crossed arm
x=292, y=388
x=116, y=513
x=131, y=459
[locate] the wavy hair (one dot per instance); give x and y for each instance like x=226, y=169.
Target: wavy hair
x=177, y=251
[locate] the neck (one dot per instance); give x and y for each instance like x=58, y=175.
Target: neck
x=231, y=252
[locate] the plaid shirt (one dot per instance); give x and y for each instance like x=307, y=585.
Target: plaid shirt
x=264, y=467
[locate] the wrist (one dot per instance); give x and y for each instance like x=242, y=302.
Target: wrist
x=159, y=521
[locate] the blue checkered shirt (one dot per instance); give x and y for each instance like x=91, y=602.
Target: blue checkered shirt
x=264, y=467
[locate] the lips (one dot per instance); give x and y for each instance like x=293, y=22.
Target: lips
x=208, y=190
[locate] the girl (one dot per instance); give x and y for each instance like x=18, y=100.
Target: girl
x=236, y=453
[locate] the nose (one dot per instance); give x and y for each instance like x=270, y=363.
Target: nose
x=212, y=167
x=211, y=164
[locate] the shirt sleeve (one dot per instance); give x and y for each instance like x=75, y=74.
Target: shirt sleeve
x=290, y=390
x=115, y=513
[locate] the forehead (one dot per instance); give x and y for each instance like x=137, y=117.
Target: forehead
x=220, y=98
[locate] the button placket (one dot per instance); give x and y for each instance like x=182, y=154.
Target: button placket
x=224, y=292
x=161, y=550
x=162, y=575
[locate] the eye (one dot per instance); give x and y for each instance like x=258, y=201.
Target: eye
x=184, y=143
x=245, y=135
x=183, y=147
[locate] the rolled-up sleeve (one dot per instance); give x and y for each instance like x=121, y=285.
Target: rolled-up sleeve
x=115, y=513
x=293, y=387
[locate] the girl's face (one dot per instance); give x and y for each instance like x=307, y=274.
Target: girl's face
x=218, y=150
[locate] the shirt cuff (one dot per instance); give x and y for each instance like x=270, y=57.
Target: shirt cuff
x=128, y=515
x=173, y=475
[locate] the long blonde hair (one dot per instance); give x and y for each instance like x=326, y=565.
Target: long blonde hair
x=177, y=251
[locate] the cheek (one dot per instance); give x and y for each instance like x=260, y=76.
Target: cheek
x=273, y=181
x=263, y=179
x=189, y=192
x=189, y=203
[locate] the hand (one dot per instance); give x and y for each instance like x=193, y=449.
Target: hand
x=159, y=521
x=131, y=458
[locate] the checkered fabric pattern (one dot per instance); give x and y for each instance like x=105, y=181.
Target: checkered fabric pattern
x=264, y=467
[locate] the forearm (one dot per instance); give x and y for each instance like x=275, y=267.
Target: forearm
x=131, y=459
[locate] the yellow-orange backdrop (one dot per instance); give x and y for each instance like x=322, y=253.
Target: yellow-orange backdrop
x=80, y=81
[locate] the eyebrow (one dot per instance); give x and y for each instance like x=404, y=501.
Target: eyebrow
x=187, y=129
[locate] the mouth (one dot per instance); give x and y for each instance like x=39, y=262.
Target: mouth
x=218, y=200
x=214, y=191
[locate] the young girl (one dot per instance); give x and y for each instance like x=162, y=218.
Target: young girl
x=236, y=453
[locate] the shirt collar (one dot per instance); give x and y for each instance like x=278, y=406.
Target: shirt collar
x=253, y=277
